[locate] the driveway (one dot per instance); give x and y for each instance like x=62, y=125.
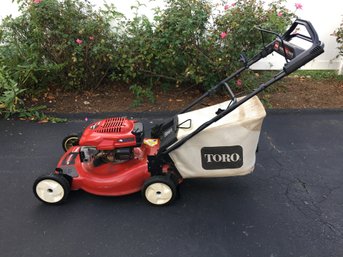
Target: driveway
x=292, y=205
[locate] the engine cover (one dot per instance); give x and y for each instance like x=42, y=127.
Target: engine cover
x=111, y=133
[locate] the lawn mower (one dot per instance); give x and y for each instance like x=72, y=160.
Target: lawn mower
x=112, y=157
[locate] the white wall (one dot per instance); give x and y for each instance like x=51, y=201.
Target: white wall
x=7, y=8
x=325, y=16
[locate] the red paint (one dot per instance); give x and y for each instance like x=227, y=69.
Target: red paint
x=110, y=179
x=109, y=134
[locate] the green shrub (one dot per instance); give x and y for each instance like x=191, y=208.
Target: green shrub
x=187, y=43
x=339, y=38
x=65, y=43
x=9, y=94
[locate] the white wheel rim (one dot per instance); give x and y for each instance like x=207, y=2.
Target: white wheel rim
x=50, y=191
x=158, y=193
x=69, y=142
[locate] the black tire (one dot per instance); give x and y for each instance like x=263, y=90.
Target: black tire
x=159, y=190
x=70, y=141
x=51, y=189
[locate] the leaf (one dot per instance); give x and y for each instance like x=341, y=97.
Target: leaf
x=46, y=120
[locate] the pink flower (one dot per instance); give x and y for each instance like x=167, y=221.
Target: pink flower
x=279, y=14
x=239, y=83
x=227, y=6
x=223, y=35
x=91, y=38
x=37, y=1
x=78, y=41
x=86, y=119
x=298, y=6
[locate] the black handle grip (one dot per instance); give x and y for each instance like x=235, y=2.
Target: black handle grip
x=301, y=56
x=309, y=27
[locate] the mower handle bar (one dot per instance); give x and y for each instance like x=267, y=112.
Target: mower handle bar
x=313, y=38
x=300, y=58
x=303, y=56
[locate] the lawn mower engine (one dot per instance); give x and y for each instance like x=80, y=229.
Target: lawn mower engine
x=114, y=138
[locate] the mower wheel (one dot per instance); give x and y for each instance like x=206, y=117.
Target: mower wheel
x=51, y=189
x=159, y=190
x=70, y=141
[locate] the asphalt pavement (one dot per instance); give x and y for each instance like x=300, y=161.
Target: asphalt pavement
x=292, y=205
